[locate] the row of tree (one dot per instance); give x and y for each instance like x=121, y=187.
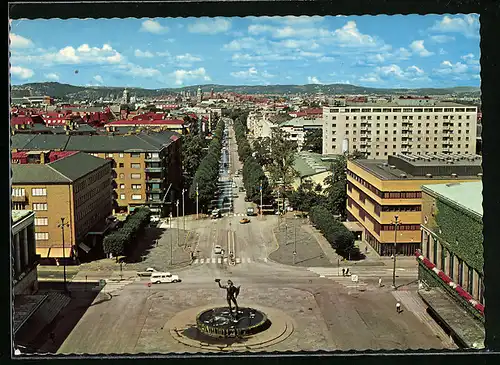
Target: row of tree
x=253, y=173
x=207, y=173
x=120, y=241
x=339, y=237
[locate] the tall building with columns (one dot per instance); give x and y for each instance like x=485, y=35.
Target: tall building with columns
x=24, y=252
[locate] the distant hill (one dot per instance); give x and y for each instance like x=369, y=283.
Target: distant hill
x=65, y=91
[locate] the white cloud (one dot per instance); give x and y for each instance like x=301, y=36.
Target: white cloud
x=17, y=41
x=243, y=43
x=252, y=74
x=139, y=71
x=441, y=38
x=369, y=79
x=395, y=72
x=449, y=68
x=163, y=54
x=470, y=59
x=468, y=25
x=296, y=44
x=52, y=76
x=310, y=54
x=187, y=57
x=419, y=48
x=326, y=59
x=349, y=35
x=313, y=80
x=143, y=54
x=210, y=26
x=99, y=79
x=21, y=72
x=264, y=57
x=181, y=76
x=152, y=26
x=442, y=51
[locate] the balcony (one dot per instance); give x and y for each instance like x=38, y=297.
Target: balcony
x=154, y=201
x=153, y=180
x=19, y=199
x=153, y=169
x=152, y=159
x=154, y=190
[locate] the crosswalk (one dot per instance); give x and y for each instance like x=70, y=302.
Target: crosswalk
x=113, y=285
x=223, y=260
x=233, y=214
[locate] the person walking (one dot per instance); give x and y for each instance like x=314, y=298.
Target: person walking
x=347, y=272
x=343, y=272
x=398, y=307
x=380, y=282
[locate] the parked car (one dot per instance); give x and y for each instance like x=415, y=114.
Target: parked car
x=217, y=250
x=244, y=220
x=154, y=218
x=164, y=277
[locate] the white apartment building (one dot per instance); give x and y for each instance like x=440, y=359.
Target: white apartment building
x=259, y=125
x=402, y=126
x=297, y=128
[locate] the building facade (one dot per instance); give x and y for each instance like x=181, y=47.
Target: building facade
x=407, y=126
x=76, y=188
x=24, y=253
x=378, y=191
x=298, y=127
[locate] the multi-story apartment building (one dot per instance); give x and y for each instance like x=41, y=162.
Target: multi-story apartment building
x=76, y=188
x=408, y=126
x=24, y=252
x=298, y=127
x=451, y=259
x=378, y=190
x=144, y=165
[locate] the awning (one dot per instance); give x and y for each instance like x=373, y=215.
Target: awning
x=353, y=226
x=84, y=247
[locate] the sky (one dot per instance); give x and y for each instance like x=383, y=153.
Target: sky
x=410, y=51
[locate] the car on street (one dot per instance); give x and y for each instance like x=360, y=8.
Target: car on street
x=217, y=250
x=148, y=272
x=164, y=277
x=244, y=220
x=154, y=218
x=216, y=213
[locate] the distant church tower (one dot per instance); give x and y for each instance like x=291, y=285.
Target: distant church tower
x=199, y=95
x=212, y=93
x=125, y=97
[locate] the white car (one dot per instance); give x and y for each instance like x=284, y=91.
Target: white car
x=164, y=277
x=154, y=218
x=217, y=250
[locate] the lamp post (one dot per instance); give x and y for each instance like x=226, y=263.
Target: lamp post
x=183, y=215
x=171, y=240
x=178, y=232
x=62, y=225
x=294, y=241
x=196, y=201
x=396, y=223
x=260, y=199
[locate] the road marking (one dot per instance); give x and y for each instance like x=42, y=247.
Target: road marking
x=196, y=261
x=213, y=260
x=202, y=261
x=225, y=259
x=219, y=260
x=238, y=260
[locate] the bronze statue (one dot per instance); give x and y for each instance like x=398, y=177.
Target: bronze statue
x=232, y=293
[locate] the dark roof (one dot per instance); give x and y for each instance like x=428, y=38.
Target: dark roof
x=47, y=142
x=65, y=170
x=78, y=165
x=18, y=141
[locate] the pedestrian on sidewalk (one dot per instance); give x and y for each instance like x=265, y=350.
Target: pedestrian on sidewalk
x=343, y=272
x=398, y=307
x=380, y=282
x=347, y=272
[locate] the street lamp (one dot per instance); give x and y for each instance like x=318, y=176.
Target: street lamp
x=62, y=225
x=183, y=215
x=196, y=201
x=396, y=223
x=294, y=241
x=171, y=240
x=178, y=233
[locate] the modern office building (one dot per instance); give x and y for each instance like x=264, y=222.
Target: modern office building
x=409, y=126
x=451, y=259
x=145, y=165
x=379, y=190
x=76, y=188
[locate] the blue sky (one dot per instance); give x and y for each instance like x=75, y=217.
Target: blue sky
x=375, y=51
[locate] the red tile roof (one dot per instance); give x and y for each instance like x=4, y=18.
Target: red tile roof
x=21, y=119
x=146, y=122
x=56, y=155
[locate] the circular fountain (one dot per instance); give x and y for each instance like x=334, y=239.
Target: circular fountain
x=222, y=323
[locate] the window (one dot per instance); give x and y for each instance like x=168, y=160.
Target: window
x=386, y=117
x=378, y=117
x=354, y=139
x=42, y=221
x=378, y=132
x=41, y=236
x=136, y=196
x=39, y=206
x=135, y=154
x=135, y=176
x=347, y=118
x=109, y=155
x=135, y=165
x=394, y=139
x=333, y=126
x=122, y=176
x=122, y=196
x=39, y=192
x=18, y=192
x=136, y=186
x=354, y=125
x=121, y=155
x=122, y=186
x=121, y=164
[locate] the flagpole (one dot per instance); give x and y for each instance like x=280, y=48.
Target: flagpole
x=196, y=201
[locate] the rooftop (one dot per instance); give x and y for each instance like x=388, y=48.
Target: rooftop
x=467, y=195
x=62, y=171
x=310, y=163
x=17, y=215
x=414, y=103
x=301, y=121
x=426, y=168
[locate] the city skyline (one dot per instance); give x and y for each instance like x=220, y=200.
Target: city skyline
x=426, y=51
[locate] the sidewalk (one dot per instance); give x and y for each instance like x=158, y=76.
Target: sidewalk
x=324, y=244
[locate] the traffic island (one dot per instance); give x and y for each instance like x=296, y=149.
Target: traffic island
x=274, y=327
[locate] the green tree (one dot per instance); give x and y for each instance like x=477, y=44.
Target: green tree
x=261, y=147
x=313, y=141
x=193, y=151
x=283, y=151
x=305, y=197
